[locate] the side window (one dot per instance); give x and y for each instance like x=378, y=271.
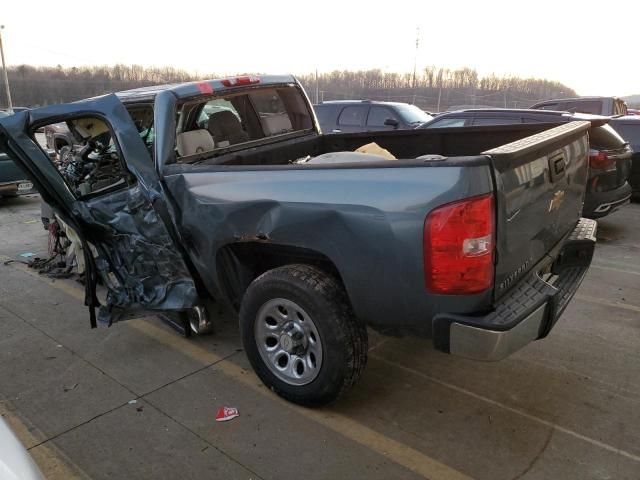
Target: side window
x=448, y=122
x=378, y=115
x=352, y=116
x=495, y=121
x=550, y=106
x=92, y=165
x=143, y=119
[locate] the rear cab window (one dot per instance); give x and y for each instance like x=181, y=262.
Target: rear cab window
x=213, y=125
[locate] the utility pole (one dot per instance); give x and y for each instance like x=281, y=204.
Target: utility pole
x=317, y=87
x=439, y=97
x=415, y=57
x=4, y=70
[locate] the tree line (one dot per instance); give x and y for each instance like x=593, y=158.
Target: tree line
x=431, y=88
x=434, y=88
x=37, y=86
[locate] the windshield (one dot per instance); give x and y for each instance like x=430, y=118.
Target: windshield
x=412, y=114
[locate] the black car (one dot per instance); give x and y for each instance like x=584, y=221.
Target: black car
x=628, y=127
x=342, y=116
x=609, y=154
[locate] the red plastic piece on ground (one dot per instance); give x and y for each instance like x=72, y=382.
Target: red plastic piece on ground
x=226, y=413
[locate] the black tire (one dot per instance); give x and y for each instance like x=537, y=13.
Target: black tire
x=343, y=337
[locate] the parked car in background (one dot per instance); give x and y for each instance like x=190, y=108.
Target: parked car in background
x=58, y=136
x=344, y=116
x=609, y=155
x=607, y=106
x=13, y=180
x=629, y=128
x=14, y=109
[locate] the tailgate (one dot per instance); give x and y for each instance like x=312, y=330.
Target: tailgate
x=540, y=185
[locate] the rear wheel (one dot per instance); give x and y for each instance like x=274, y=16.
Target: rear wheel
x=301, y=335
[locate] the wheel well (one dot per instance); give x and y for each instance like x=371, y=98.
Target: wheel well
x=240, y=263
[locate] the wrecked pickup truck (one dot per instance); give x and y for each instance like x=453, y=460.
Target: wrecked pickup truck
x=224, y=191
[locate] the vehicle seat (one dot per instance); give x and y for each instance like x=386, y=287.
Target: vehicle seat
x=226, y=129
x=195, y=141
x=276, y=124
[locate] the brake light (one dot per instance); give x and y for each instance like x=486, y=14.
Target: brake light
x=240, y=81
x=599, y=159
x=459, y=245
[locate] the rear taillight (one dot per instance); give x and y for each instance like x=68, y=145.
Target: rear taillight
x=599, y=159
x=459, y=241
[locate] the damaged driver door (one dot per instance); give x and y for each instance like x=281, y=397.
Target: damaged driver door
x=106, y=188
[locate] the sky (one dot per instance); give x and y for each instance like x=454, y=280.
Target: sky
x=591, y=46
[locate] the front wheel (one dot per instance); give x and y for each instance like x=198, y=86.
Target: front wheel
x=301, y=335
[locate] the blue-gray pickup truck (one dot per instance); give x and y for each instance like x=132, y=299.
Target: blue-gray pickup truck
x=225, y=192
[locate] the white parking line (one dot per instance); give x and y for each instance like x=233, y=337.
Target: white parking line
x=613, y=269
x=517, y=411
x=607, y=303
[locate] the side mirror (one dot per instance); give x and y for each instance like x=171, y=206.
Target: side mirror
x=391, y=122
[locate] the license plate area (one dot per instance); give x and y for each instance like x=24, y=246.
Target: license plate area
x=24, y=186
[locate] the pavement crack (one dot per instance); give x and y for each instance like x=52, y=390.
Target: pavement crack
x=208, y=365
x=203, y=439
x=59, y=434
x=537, y=457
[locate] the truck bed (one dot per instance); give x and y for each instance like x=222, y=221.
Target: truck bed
x=394, y=197
x=403, y=144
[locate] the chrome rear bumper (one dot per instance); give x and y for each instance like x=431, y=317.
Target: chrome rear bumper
x=528, y=312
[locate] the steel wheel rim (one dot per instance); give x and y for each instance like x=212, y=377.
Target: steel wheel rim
x=288, y=341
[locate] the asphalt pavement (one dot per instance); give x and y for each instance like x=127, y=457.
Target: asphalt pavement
x=137, y=400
